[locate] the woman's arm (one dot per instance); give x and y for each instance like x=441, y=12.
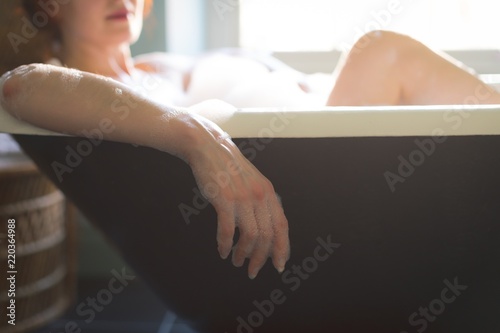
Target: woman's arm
x=70, y=101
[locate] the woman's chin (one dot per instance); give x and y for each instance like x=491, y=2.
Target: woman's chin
x=121, y=38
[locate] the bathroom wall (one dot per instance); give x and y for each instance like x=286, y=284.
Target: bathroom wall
x=154, y=34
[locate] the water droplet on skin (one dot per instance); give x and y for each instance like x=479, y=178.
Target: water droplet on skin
x=71, y=79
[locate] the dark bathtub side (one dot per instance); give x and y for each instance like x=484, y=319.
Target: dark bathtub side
x=425, y=257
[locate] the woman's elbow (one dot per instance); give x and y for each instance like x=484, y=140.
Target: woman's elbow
x=8, y=88
x=15, y=85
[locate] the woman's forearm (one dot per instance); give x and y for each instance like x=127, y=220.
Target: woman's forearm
x=73, y=102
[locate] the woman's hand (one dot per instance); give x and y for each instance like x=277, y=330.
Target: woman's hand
x=242, y=197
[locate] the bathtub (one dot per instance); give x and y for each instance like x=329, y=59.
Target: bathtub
x=394, y=217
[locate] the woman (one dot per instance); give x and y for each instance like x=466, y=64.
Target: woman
x=95, y=37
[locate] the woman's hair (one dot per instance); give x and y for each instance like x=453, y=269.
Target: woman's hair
x=32, y=8
x=21, y=43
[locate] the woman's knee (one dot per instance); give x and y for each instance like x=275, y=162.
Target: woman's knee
x=381, y=45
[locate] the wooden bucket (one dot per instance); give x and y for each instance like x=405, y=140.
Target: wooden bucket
x=44, y=253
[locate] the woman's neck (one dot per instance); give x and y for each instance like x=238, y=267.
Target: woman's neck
x=112, y=62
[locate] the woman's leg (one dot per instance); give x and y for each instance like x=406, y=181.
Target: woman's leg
x=386, y=68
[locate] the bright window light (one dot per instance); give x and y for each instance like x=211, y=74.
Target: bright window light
x=326, y=25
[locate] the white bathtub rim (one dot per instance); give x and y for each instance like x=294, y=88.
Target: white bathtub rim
x=372, y=121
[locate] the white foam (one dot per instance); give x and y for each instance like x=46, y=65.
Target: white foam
x=276, y=89
x=246, y=83
x=215, y=76
x=216, y=110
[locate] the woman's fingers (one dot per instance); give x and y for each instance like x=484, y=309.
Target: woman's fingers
x=263, y=232
x=249, y=234
x=257, y=212
x=225, y=230
x=259, y=216
x=281, y=243
x=265, y=241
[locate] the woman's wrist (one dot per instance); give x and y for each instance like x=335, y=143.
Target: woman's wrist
x=182, y=134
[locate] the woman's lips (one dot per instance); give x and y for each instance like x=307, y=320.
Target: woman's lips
x=121, y=14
